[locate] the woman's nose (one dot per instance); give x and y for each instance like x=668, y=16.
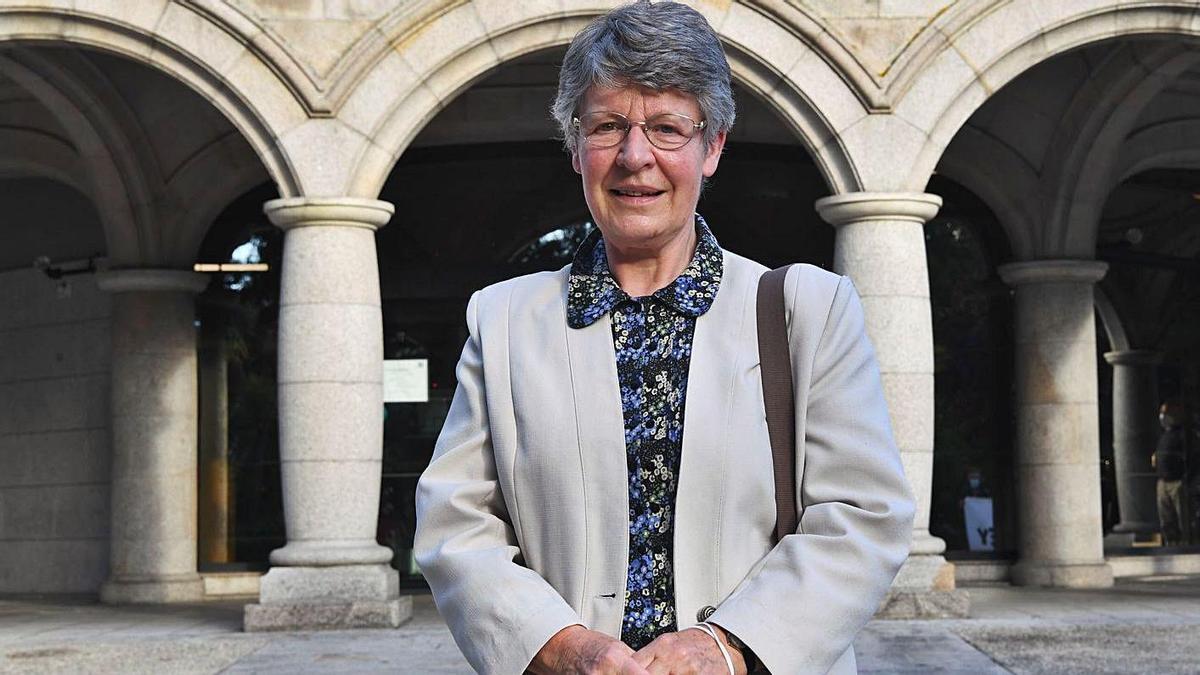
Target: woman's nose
x=635, y=151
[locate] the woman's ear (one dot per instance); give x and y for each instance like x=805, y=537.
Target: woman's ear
x=575, y=162
x=713, y=154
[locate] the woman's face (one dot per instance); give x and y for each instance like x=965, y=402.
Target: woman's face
x=642, y=197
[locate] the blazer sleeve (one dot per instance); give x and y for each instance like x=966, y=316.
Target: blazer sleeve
x=803, y=606
x=500, y=612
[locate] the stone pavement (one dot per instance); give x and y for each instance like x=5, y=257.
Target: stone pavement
x=1140, y=626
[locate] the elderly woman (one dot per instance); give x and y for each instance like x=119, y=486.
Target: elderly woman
x=603, y=483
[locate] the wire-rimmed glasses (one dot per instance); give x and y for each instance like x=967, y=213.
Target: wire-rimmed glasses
x=665, y=131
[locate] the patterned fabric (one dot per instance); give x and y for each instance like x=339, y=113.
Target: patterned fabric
x=652, y=336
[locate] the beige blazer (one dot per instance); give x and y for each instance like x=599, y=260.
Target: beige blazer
x=522, y=515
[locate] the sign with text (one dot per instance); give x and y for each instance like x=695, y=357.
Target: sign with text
x=406, y=380
x=977, y=512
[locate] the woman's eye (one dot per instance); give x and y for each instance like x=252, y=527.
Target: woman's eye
x=667, y=130
x=606, y=128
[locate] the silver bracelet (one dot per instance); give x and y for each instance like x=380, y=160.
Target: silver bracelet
x=708, y=629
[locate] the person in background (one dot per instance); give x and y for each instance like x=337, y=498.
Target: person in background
x=978, y=520
x=1170, y=462
x=974, y=486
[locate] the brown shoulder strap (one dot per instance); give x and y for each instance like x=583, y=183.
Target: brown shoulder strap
x=778, y=397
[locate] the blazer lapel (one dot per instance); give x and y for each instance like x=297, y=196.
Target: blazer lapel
x=717, y=358
x=601, y=427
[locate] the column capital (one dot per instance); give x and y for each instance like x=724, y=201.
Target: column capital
x=1052, y=271
x=293, y=212
x=854, y=207
x=1133, y=357
x=151, y=280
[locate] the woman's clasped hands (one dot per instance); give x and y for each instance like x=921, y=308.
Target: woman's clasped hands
x=575, y=650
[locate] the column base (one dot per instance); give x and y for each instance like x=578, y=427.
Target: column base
x=1062, y=575
x=1118, y=542
x=328, y=598
x=162, y=590
x=1143, y=527
x=924, y=589
x=952, y=604
x=326, y=616
x=330, y=554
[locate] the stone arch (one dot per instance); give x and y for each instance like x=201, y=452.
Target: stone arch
x=448, y=55
x=211, y=180
x=1002, y=44
x=119, y=197
x=1088, y=143
x=30, y=152
x=146, y=214
x=1110, y=321
x=991, y=181
x=1174, y=144
x=180, y=40
x=800, y=114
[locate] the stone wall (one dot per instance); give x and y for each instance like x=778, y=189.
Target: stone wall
x=54, y=434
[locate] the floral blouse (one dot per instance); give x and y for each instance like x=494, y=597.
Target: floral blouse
x=652, y=336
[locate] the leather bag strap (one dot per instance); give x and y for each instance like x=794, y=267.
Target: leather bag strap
x=778, y=396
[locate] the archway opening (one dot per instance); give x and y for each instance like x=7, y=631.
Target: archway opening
x=1148, y=237
x=105, y=164
x=1049, y=154
x=486, y=192
x=973, y=352
x=241, y=498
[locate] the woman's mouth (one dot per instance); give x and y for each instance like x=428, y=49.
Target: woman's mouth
x=636, y=195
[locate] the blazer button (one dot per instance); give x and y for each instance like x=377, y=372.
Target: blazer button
x=705, y=612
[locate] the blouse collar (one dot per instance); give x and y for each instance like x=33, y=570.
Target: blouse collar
x=592, y=292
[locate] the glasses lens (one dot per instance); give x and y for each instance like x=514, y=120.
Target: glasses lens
x=603, y=129
x=666, y=131
x=669, y=131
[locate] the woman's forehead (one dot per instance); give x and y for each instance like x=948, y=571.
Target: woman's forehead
x=637, y=99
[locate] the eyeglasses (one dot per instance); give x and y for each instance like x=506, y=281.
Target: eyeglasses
x=665, y=131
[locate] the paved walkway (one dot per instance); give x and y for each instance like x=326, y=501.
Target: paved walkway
x=1149, y=625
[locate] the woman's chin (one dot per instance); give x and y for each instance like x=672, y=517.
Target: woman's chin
x=635, y=231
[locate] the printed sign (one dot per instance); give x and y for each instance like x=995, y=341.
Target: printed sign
x=406, y=380
x=977, y=513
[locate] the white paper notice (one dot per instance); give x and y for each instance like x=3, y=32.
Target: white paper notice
x=977, y=513
x=405, y=380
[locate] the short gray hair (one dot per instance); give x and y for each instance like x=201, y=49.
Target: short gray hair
x=663, y=45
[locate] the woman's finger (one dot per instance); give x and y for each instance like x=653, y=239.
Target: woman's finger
x=634, y=668
x=659, y=666
x=644, y=657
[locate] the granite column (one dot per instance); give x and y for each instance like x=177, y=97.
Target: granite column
x=331, y=573
x=1135, y=434
x=1060, y=540
x=880, y=245
x=154, y=395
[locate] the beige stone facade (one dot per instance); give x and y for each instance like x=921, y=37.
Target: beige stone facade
x=162, y=112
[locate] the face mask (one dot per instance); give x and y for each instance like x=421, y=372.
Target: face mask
x=973, y=482
x=1167, y=421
